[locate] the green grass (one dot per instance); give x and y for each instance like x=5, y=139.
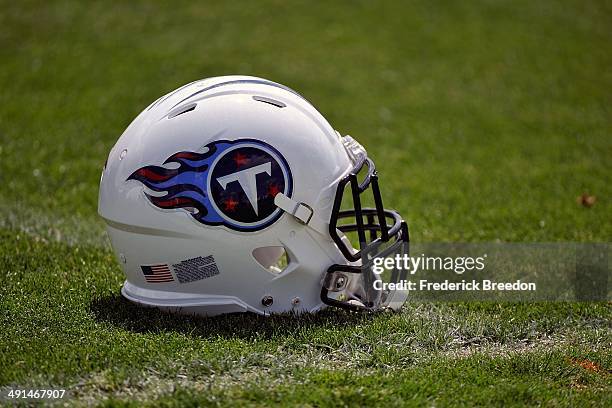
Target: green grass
x=486, y=121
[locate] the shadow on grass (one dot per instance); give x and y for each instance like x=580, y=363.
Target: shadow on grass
x=116, y=310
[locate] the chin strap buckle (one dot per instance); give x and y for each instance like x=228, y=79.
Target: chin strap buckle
x=302, y=212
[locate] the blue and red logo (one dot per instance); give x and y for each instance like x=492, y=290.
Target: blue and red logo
x=233, y=183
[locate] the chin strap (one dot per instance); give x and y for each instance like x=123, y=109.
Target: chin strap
x=303, y=213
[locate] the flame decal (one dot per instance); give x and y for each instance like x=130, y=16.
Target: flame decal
x=185, y=185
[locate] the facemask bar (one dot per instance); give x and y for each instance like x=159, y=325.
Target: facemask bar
x=339, y=277
x=395, y=237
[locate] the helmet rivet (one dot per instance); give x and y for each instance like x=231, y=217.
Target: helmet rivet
x=340, y=282
x=267, y=301
x=295, y=301
x=123, y=153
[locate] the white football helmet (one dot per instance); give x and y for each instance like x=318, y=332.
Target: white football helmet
x=216, y=181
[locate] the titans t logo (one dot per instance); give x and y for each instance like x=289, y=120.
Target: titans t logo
x=233, y=183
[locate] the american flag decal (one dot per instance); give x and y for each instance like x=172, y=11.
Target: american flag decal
x=157, y=273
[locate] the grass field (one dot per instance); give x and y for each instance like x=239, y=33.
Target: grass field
x=486, y=121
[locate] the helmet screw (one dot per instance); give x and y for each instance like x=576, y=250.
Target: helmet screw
x=123, y=154
x=267, y=301
x=340, y=282
x=295, y=301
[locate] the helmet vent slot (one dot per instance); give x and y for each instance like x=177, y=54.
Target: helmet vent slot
x=274, y=259
x=181, y=110
x=269, y=101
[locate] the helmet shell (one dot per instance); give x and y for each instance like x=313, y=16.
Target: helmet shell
x=144, y=236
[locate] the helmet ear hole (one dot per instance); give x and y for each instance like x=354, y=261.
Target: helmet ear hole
x=274, y=259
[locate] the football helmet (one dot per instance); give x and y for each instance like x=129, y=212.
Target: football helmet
x=234, y=194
